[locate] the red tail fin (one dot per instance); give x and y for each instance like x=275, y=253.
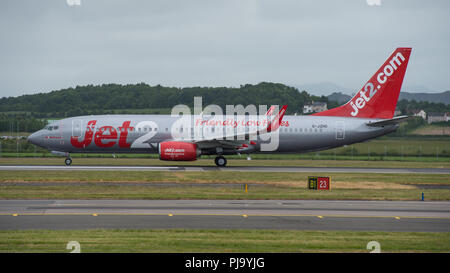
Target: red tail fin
x=378, y=98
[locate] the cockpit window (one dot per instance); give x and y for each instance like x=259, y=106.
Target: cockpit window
x=50, y=128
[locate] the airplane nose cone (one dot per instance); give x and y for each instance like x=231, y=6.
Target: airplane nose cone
x=32, y=138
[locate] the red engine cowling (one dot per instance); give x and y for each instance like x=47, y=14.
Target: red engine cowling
x=178, y=151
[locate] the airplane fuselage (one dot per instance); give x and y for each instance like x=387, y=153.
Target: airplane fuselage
x=143, y=133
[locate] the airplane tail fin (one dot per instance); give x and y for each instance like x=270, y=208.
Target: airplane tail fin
x=378, y=98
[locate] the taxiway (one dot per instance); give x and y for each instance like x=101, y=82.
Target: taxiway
x=229, y=169
x=226, y=214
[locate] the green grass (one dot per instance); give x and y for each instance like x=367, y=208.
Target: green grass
x=213, y=193
x=432, y=129
x=256, y=241
x=216, y=185
x=275, y=178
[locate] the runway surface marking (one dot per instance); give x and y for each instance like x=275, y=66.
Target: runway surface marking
x=226, y=214
x=230, y=168
x=217, y=214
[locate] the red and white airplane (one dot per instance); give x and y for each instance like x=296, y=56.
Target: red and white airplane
x=369, y=114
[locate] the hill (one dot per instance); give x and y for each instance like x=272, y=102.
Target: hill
x=105, y=98
x=443, y=97
x=339, y=97
x=323, y=88
x=429, y=102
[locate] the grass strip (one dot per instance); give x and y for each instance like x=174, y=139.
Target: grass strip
x=217, y=185
x=184, y=240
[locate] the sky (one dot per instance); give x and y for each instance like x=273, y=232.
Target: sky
x=55, y=44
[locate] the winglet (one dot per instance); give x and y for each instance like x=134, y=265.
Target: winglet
x=275, y=123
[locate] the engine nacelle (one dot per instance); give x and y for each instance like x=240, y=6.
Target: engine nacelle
x=178, y=151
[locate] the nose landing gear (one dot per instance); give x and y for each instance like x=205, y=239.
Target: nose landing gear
x=68, y=161
x=220, y=161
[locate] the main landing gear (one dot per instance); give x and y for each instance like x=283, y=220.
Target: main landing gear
x=220, y=161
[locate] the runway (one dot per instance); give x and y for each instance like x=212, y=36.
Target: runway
x=229, y=169
x=226, y=214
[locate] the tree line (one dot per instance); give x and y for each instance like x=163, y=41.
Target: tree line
x=26, y=111
x=29, y=112
x=406, y=106
x=20, y=123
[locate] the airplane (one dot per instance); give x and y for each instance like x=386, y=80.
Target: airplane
x=369, y=114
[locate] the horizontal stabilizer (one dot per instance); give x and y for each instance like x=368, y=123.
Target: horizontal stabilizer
x=391, y=121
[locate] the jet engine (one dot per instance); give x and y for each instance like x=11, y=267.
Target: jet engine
x=178, y=151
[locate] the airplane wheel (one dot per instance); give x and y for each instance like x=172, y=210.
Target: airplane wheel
x=68, y=161
x=220, y=161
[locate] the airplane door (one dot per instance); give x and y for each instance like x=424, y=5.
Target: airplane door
x=340, y=130
x=77, y=127
x=60, y=133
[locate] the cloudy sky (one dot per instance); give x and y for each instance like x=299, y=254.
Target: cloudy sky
x=49, y=45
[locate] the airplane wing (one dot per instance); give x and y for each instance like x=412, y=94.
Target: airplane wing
x=391, y=121
x=242, y=142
